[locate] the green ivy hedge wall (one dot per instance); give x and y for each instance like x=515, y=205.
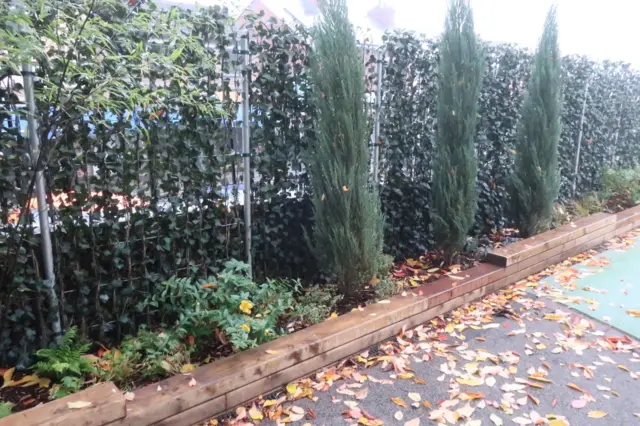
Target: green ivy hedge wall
x=175, y=154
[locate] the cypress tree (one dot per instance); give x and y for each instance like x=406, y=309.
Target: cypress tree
x=535, y=183
x=347, y=234
x=455, y=167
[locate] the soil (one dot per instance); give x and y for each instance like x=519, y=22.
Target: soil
x=23, y=397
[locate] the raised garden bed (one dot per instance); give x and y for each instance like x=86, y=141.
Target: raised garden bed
x=223, y=385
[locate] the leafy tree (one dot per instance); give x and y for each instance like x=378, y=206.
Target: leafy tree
x=455, y=166
x=347, y=235
x=535, y=182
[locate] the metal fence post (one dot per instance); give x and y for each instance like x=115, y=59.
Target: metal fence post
x=41, y=199
x=577, y=163
x=246, y=152
x=376, y=127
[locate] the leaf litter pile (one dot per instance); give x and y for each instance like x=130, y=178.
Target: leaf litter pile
x=473, y=377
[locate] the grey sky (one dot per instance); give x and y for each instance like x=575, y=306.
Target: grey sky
x=601, y=29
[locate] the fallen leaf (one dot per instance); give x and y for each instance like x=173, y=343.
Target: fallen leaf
x=78, y=404
x=622, y=367
x=271, y=352
x=399, y=402
x=384, y=301
x=398, y=415
x=7, y=376
x=362, y=394
x=413, y=422
x=415, y=397
x=192, y=382
x=292, y=388
x=470, y=396
x=496, y=420
x=129, y=396
x=472, y=381
x=597, y=414
x=255, y=414
x=575, y=387
x=579, y=403
x=187, y=368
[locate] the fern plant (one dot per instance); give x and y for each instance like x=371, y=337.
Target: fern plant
x=65, y=364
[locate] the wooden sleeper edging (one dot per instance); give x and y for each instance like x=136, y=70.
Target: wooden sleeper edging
x=225, y=384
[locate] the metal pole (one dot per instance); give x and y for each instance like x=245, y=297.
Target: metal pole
x=246, y=152
x=577, y=164
x=376, y=127
x=43, y=210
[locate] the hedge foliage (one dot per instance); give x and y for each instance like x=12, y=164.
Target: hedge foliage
x=167, y=151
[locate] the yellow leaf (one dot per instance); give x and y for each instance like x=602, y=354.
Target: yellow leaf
x=415, y=396
x=292, y=388
x=334, y=315
x=78, y=404
x=553, y=317
x=633, y=312
x=255, y=413
x=597, y=414
x=405, y=376
x=622, y=367
x=44, y=382
x=7, y=376
x=472, y=381
x=271, y=352
x=419, y=381
x=558, y=422
x=270, y=402
x=399, y=402
x=187, y=368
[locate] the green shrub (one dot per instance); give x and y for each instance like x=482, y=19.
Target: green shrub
x=148, y=354
x=535, y=182
x=589, y=204
x=455, y=166
x=245, y=312
x=65, y=363
x=315, y=304
x=386, y=288
x=347, y=234
x=5, y=409
x=620, y=188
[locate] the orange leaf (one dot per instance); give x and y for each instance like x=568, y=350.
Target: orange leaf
x=399, y=402
x=575, y=387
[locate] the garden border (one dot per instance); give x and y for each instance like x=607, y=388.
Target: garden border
x=225, y=384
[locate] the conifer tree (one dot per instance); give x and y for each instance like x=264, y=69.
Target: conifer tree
x=347, y=235
x=455, y=167
x=535, y=182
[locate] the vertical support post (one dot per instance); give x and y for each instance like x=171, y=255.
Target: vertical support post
x=376, y=126
x=577, y=162
x=246, y=152
x=41, y=199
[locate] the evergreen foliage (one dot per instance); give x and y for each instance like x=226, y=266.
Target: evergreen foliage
x=535, y=182
x=347, y=236
x=455, y=165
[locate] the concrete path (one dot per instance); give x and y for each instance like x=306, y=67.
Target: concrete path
x=516, y=357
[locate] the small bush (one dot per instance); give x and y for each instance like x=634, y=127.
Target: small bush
x=244, y=312
x=148, y=354
x=589, y=204
x=620, y=188
x=315, y=304
x=386, y=288
x=65, y=363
